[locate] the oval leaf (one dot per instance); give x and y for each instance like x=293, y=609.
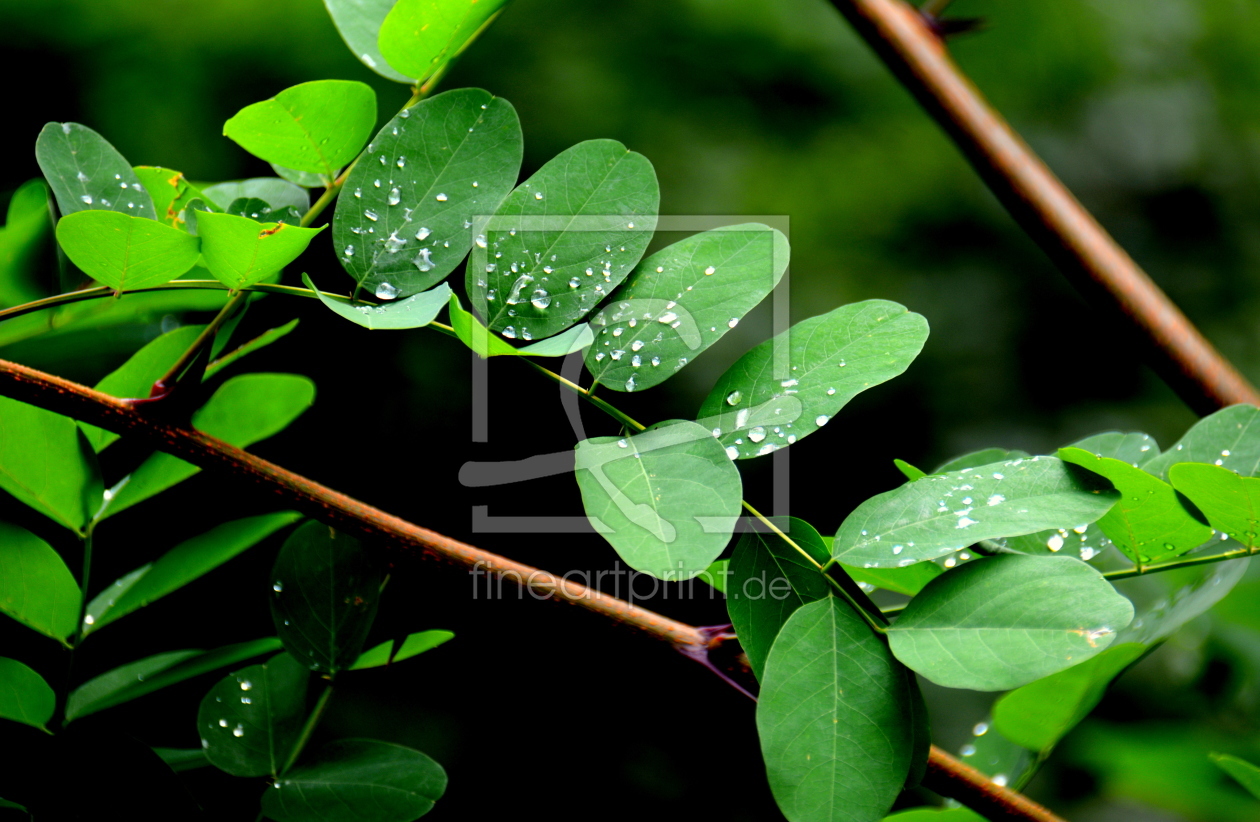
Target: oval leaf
x=1230, y=502
x=666, y=499
x=36, y=587
x=47, y=464
x=317, y=127
x=325, y=594
x=829, y=360
x=125, y=252
x=404, y=218
x=24, y=695
x=477, y=337
x=87, y=173
x=682, y=300
x=1000, y=622
x=240, y=251
x=1226, y=438
x=943, y=513
x=835, y=732
x=359, y=22
x=250, y=719
x=563, y=240
x=416, y=311
x=418, y=37
x=357, y=780
x=275, y=192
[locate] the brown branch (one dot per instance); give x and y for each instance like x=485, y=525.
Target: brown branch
x=1044, y=207
x=946, y=775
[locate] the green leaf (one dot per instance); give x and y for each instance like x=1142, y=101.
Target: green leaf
x=835, y=734
x=1244, y=772
x=586, y=217
x=920, y=731
x=135, y=377
x=985, y=456
x=909, y=580
x=305, y=179
x=273, y=191
x=24, y=695
x=770, y=580
x=477, y=337
x=935, y=815
x=125, y=252
x=1230, y=502
x=47, y=464
x=247, y=408
x=1000, y=622
x=144, y=676
x=419, y=37
x=1229, y=438
x=667, y=499
x=359, y=22
x=404, y=218
x=184, y=563
x=317, y=127
x=182, y=759
x=357, y=780
x=1134, y=448
x=772, y=397
x=416, y=311
x=171, y=193
x=86, y=172
x=991, y=753
x=250, y=719
x=36, y=587
x=716, y=574
x=909, y=471
x=944, y=513
x=21, y=239
x=1169, y=613
x=261, y=341
x=1148, y=523
x=240, y=251
x=682, y=300
x=414, y=644
x=1039, y=714
x=326, y=590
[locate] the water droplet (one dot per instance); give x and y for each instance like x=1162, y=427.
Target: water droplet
x=617, y=332
x=636, y=361
x=821, y=420
x=732, y=452
x=239, y=730
x=574, y=283
x=965, y=522
x=370, y=214
x=997, y=499
x=656, y=361
x=967, y=750
x=981, y=729
x=1088, y=553
x=441, y=198
x=349, y=252
x=509, y=332
x=636, y=345
x=394, y=197
x=667, y=318
x=732, y=322
x=538, y=195
x=405, y=113
x=480, y=241
x=709, y=270
x=999, y=779
x=897, y=549
x=757, y=434
x=83, y=178
x=358, y=192
x=622, y=444
x=377, y=183
x=223, y=723
x=385, y=291
x=423, y=261
x=734, y=397
x=87, y=199
x=540, y=299
x=278, y=586
x=616, y=353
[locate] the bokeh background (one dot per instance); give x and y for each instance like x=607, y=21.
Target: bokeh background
x=1148, y=109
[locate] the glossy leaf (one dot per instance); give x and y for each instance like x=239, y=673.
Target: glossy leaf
x=261, y=341
x=24, y=695
x=134, y=378
x=26, y=225
x=1148, y=523
x=1167, y=614
x=188, y=561
x=404, y=217
x=991, y=753
x=87, y=173
x=770, y=580
x=144, y=676
x=790, y=386
x=418, y=37
x=909, y=471
x=920, y=731
x=273, y=191
x=125, y=252
x=1228, y=438
x=1245, y=773
x=835, y=734
x=1134, y=448
x=357, y=780
x=171, y=193
x=476, y=336
x=667, y=499
x=245, y=409
x=413, y=645
x=359, y=22
x=326, y=590
x=1040, y=713
x=250, y=719
x=935, y=815
x=985, y=456
x=586, y=217
x=716, y=574
x=944, y=513
x=909, y=580
x=36, y=587
x=305, y=179
x=316, y=127
x=47, y=464
x=1000, y=622
x=682, y=300
x=1230, y=502
x=416, y=311
x=182, y=759
x=240, y=251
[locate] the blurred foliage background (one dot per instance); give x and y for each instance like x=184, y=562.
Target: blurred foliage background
x=1148, y=109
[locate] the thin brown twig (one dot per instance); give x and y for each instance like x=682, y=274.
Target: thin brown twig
x=946, y=775
x=1044, y=207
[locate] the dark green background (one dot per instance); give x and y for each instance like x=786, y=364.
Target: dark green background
x=1148, y=109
